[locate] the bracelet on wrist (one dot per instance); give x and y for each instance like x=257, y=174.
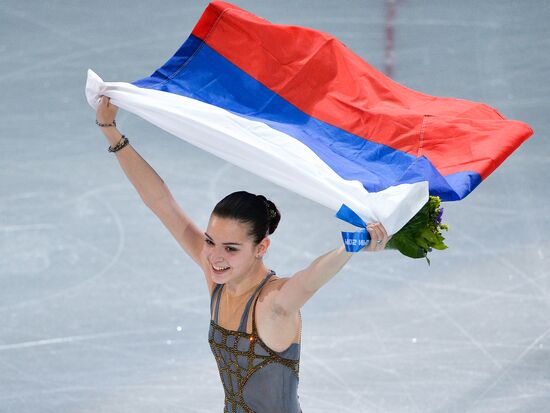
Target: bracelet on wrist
x=121, y=144
x=105, y=125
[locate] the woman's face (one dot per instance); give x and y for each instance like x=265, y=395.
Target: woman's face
x=228, y=250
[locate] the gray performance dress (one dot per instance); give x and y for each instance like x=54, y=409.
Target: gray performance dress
x=255, y=378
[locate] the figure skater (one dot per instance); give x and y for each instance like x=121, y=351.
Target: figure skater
x=258, y=355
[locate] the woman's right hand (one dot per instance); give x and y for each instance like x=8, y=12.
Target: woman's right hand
x=106, y=111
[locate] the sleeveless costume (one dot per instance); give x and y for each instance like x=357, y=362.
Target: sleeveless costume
x=255, y=378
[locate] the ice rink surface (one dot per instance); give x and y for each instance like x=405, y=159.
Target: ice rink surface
x=102, y=312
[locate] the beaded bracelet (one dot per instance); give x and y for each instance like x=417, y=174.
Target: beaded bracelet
x=121, y=144
x=105, y=125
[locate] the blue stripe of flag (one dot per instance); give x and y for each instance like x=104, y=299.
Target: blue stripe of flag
x=199, y=72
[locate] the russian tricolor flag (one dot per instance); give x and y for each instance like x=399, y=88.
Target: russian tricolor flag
x=297, y=107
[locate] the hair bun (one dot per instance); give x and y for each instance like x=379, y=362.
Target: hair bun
x=273, y=216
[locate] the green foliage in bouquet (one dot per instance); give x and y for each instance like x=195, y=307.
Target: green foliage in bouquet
x=422, y=233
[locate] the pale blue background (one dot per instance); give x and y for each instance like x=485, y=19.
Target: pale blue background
x=100, y=309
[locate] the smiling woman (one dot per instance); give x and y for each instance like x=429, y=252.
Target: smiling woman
x=252, y=353
x=237, y=239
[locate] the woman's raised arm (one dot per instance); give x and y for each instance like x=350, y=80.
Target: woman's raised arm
x=303, y=284
x=148, y=184
x=151, y=188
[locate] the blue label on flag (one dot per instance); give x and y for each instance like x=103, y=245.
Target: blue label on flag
x=353, y=241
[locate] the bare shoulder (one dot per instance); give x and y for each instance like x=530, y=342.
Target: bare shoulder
x=268, y=295
x=271, y=288
x=276, y=328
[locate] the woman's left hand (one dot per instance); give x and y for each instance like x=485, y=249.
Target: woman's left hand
x=378, y=237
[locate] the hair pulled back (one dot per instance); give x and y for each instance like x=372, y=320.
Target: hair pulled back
x=256, y=210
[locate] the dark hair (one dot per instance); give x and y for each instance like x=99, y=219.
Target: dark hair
x=256, y=210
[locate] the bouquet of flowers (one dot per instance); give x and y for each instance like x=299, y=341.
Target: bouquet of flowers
x=422, y=233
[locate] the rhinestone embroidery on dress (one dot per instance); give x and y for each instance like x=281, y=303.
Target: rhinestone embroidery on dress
x=241, y=348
